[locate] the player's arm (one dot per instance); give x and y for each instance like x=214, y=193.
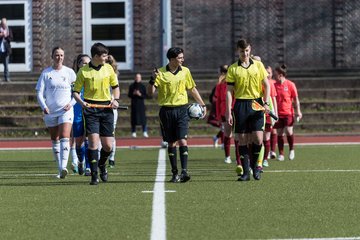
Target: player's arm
x=116, y=96
x=297, y=106
x=228, y=116
x=151, y=88
x=40, y=89
x=196, y=95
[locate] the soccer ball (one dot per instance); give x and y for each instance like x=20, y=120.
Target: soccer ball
x=195, y=111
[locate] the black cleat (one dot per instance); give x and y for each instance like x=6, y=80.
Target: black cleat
x=81, y=168
x=257, y=173
x=94, y=178
x=111, y=163
x=184, y=176
x=244, y=177
x=175, y=178
x=103, y=173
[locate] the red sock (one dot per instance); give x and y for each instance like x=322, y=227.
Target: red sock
x=267, y=148
x=281, y=145
x=237, y=154
x=227, y=142
x=290, y=140
x=221, y=136
x=273, y=141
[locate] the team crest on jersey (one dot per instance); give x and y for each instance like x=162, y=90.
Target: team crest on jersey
x=286, y=88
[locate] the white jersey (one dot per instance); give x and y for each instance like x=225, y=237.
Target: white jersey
x=54, y=89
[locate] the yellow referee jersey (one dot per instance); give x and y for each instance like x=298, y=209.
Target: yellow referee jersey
x=96, y=83
x=172, y=87
x=247, y=82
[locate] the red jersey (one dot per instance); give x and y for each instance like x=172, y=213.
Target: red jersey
x=286, y=94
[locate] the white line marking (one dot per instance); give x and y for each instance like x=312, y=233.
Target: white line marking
x=158, y=226
x=167, y=191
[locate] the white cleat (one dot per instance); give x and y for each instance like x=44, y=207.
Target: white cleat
x=281, y=158
x=292, y=155
x=228, y=160
x=216, y=142
x=145, y=134
x=133, y=135
x=272, y=155
x=63, y=173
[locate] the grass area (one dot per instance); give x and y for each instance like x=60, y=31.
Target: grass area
x=315, y=196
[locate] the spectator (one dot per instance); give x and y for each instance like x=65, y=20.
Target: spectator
x=137, y=93
x=6, y=37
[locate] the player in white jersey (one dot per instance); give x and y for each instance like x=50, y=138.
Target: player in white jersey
x=55, y=99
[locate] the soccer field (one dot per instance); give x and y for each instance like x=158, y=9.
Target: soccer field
x=315, y=196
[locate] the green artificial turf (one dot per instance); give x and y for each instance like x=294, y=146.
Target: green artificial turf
x=315, y=196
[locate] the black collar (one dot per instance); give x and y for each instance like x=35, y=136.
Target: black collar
x=250, y=60
x=177, y=70
x=96, y=68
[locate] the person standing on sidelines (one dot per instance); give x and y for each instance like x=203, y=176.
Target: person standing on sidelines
x=172, y=82
x=81, y=142
x=286, y=94
x=54, y=96
x=6, y=37
x=96, y=78
x=137, y=94
x=246, y=78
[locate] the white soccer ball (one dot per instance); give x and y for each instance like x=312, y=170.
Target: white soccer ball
x=195, y=111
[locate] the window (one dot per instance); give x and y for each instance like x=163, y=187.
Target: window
x=18, y=15
x=110, y=22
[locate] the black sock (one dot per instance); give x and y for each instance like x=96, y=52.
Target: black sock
x=255, y=154
x=79, y=154
x=93, y=159
x=183, y=156
x=244, y=157
x=103, y=157
x=173, y=160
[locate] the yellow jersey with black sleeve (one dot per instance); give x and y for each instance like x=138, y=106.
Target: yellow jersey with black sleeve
x=172, y=87
x=96, y=82
x=247, y=82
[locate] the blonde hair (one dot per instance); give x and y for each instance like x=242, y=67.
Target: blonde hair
x=111, y=60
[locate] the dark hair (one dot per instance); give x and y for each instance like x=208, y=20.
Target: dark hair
x=77, y=61
x=174, y=52
x=243, y=43
x=281, y=69
x=98, y=49
x=54, y=49
x=223, y=68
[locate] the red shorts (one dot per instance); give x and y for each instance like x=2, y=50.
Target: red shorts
x=268, y=127
x=285, y=121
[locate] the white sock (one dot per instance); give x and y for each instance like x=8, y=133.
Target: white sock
x=112, y=154
x=56, y=153
x=74, y=156
x=64, y=152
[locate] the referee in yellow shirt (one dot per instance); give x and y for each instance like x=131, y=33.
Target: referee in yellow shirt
x=246, y=78
x=172, y=82
x=96, y=78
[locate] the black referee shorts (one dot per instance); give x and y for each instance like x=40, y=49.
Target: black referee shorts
x=99, y=120
x=174, y=123
x=246, y=119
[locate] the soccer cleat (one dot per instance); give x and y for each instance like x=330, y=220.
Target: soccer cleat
x=239, y=170
x=145, y=134
x=292, y=155
x=133, y=134
x=184, y=176
x=87, y=172
x=80, y=168
x=228, y=160
x=244, y=177
x=216, y=141
x=164, y=144
x=257, y=173
x=94, y=178
x=74, y=168
x=111, y=163
x=281, y=158
x=103, y=173
x=272, y=155
x=175, y=178
x=265, y=163
x=63, y=173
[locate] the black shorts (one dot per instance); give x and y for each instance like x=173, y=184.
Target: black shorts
x=174, y=123
x=246, y=119
x=99, y=120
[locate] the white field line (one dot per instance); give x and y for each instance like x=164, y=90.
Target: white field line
x=158, y=225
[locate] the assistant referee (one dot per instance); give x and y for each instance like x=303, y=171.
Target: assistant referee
x=172, y=82
x=96, y=78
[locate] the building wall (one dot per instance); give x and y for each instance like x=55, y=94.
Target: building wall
x=307, y=34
